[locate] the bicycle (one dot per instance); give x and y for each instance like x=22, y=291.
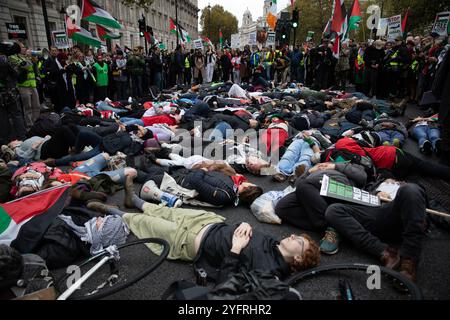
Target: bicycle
x=108, y=281
x=354, y=283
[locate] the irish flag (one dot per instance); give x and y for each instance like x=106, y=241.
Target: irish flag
x=15, y=214
x=272, y=15
x=355, y=16
x=92, y=12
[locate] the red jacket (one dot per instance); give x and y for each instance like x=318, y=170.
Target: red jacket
x=167, y=119
x=383, y=157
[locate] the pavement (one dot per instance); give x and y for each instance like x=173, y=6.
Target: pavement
x=433, y=277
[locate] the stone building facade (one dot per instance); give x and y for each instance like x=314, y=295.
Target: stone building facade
x=29, y=12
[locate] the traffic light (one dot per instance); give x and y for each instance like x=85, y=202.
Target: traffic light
x=141, y=23
x=295, y=18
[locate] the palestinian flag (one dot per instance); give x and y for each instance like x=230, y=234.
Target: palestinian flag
x=45, y=204
x=339, y=19
x=207, y=42
x=355, y=16
x=81, y=35
x=272, y=15
x=92, y=12
x=405, y=20
x=182, y=34
x=104, y=33
x=220, y=38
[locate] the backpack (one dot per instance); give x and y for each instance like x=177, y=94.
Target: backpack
x=342, y=155
x=244, y=285
x=34, y=278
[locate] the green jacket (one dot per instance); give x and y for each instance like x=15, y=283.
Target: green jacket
x=101, y=74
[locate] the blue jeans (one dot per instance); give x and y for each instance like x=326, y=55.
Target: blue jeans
x=423, y=133
x=219, y=133
x=157, y=80
x=95, y=165
x=103, y=106
x=299, y=152
x=130, y=121
x=85, y=137
x=390, y=135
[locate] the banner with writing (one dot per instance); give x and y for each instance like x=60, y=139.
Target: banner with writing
x=441, y=24
x=337, y=190
x=395, y=27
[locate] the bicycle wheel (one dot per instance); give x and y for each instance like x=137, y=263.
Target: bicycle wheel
x=115, y=275
x=323, y=283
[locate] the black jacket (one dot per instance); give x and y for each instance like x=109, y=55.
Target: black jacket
x=213, y=187
x=216, y=258
x=234, y=121
x=53, y=240
x=441, y=86
x=373, y=56
x=121, y=141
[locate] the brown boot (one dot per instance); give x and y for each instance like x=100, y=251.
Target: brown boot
x=298, y=172
x=408, y=268
x=98, y=206
x=390, y=258
x=129, y=192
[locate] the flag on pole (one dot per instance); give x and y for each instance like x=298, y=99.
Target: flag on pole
x=15, y=214
x=182, y=34
x=355, y=16
x=81, y=35
x=92, y=12
x=220, y=38
x=104, y=33
x=405, y=19
x=339, y=20
x=272, y=15
x=207, y=42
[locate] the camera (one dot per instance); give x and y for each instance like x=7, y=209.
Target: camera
x=9, y=48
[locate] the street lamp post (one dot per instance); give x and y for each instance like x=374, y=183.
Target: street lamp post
x=176, y=21
x=62, y=12
x=47, y=25
x=209, y=21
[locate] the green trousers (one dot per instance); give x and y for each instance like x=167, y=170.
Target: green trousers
x=178, y=226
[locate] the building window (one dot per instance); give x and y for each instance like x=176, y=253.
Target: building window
x=52, y=26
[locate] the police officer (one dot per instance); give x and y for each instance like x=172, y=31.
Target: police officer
x=10, y=107
x=397, y=61
x=27, y=86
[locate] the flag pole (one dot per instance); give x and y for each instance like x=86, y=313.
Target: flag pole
x=363, y=27
x=176, y=21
